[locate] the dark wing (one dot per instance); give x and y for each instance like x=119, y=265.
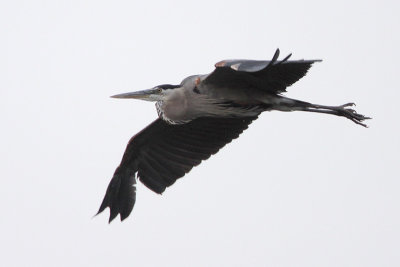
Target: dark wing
x=161, y=153
x=272, y=76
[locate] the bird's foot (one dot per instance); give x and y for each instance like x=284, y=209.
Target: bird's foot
x=351, y=114
x=348, y=105
x=343, y=110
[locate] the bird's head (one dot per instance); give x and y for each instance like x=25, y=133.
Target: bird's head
x=157, y=93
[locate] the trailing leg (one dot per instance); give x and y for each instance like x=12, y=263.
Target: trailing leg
x=287, y=104
x=342, y=110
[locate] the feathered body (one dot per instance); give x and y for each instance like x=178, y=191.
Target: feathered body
x=200, y=116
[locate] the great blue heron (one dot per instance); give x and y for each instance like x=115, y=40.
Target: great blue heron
x=201, y=115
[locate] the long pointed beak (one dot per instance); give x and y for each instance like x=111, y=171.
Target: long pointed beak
x=144, y=94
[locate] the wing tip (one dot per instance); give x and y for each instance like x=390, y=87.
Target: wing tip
x=285, y=59
x=276, y=55
x=113, y=214
x=120, y=196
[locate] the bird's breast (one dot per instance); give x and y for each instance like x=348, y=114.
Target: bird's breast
x=174, y=109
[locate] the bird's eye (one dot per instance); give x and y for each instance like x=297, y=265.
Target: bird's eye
x=159, y=90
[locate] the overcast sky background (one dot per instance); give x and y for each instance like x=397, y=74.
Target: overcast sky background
x=296, y=189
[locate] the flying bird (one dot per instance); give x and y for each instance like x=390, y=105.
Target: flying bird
x=199, y=116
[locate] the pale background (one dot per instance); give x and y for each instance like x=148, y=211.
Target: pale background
x=296, y=189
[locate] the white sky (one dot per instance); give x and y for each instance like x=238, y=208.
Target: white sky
x=296, y=189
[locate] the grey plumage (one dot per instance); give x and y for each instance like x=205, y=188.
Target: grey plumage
x=200, y=116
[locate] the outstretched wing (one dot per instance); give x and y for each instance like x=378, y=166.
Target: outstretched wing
x=161, y=153
x=273, y=76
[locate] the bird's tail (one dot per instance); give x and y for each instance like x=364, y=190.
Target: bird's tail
x=120, y=195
